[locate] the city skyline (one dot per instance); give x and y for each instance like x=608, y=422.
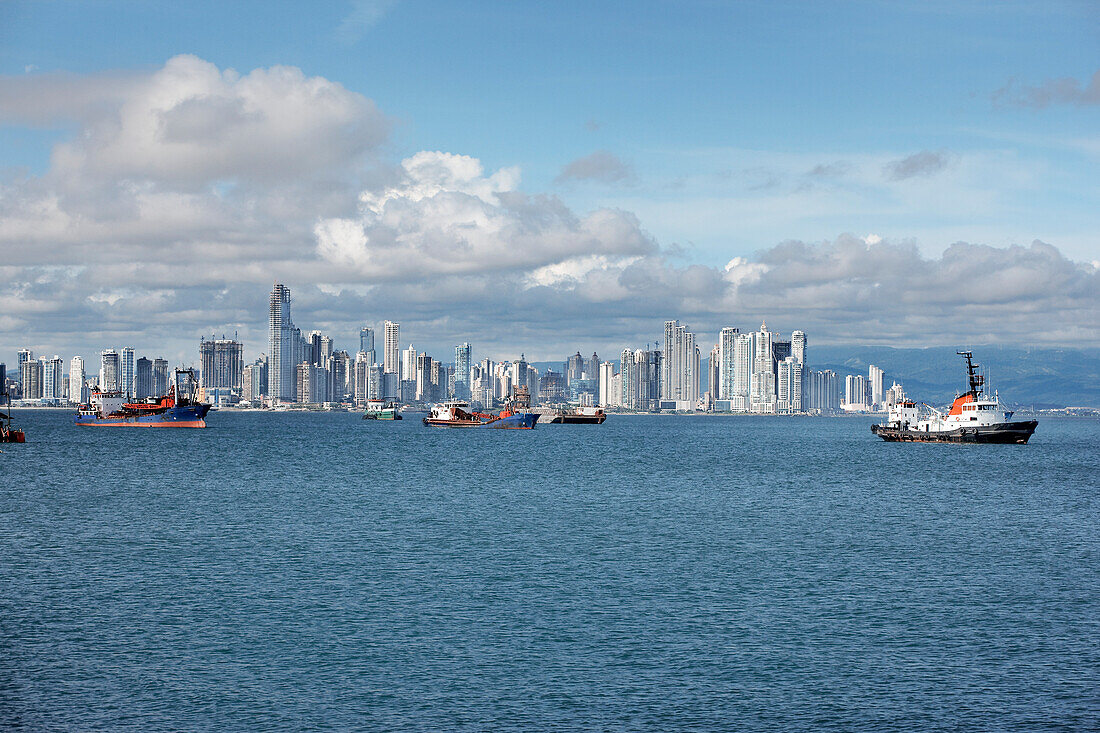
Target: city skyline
x=898, y=195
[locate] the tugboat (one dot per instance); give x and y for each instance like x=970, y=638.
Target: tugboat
x=457, y=414
x=174, y=410
x=971, y=419
x=8, y=434
x=381, y=410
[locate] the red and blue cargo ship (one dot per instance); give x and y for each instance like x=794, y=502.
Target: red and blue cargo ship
x=174, y=410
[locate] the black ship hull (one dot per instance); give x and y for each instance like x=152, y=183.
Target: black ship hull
x=1006, y=432
x=578, y=419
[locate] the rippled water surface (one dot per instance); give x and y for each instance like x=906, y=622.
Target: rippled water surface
x=299, y=571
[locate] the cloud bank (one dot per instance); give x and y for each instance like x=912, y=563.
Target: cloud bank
x=186, y=191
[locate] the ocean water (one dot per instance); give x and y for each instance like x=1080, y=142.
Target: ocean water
x=317, y=571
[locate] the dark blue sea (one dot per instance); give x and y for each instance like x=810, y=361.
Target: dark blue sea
x=316, y=571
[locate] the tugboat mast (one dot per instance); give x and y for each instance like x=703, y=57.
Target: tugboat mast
x=976, y=380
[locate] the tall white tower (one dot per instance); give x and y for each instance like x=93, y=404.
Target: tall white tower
x=390, y=355
x=76, y=380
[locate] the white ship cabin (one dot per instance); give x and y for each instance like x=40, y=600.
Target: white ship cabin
x=966, y=412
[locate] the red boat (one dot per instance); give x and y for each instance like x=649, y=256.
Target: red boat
x=8, y=434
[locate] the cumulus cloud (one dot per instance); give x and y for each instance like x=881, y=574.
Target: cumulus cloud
x=185, y=191
x=1048, y=93
x=924, y=163
x=446, y=217
x=601, y=166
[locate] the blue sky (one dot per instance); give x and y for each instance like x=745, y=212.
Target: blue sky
x=723, y=129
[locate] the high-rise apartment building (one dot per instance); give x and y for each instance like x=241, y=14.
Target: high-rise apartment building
x=762, y=395
x=53, y=380
x=126, y=370
x=160, y=377
x=391, y=363
x=463, y=370
x=221, y=363
x=874, y=386
x=109, y=374
x=143, y=379
x=339, y=367
x=606, y=394
x=574, y=368
x=680, y=364
x=366, y=344
x=77, y=390
x=30, y=379
x=287, y=347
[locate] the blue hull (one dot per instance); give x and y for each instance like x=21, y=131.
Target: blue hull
x=189, y=416
x=521, y=421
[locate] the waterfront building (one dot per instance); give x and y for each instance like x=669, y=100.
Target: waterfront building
x=220, y=363
x=727, y=363
x=763, y=392
x=789, y=386
x=126, y=370
x=78, y=392
x=874, y=386
x=338, y=367
x=856, y=392
x=408, y=363
x=822, y=391
x=463, y=365
x=390, y=356
x=552, y=387
x=376, y=383
x=606, y=394
x=312, y=384
x=53, y=380
x=641, y=372
x=713, y=368
x=592, y=367
x=680, y=364
x=160, y=377
x=366, y=343
x=287, y=347
x=109, y=375
x=249, y=393
x=143, y=378
x=574, y=367
x=30, y=379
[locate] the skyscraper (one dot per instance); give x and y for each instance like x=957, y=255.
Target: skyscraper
x=143, y=378
x=408, y=364
x=763, y=393
x=366, y=344
x=30, y=379
x=160, y=377
x=727, y=339
x=221, y=363
x=680, y=364
x=606, y=395
x=713, y=367
x=462, y=371
x=109, y=371
x=126, y=370
x=76, y=380
x=391, y=359
x=574, y=368
x=282, y=367
x=53, y=376
x=874, y=385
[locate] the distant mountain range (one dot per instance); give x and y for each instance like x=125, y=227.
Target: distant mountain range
x=1036, y=378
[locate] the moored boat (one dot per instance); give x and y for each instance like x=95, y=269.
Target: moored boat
x=457, y=414
x=973, y=418
x=579, y=416
x=381, y=410
x=8, y=434
x=174, y=410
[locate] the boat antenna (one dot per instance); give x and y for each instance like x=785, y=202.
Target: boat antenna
x=976, y=379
